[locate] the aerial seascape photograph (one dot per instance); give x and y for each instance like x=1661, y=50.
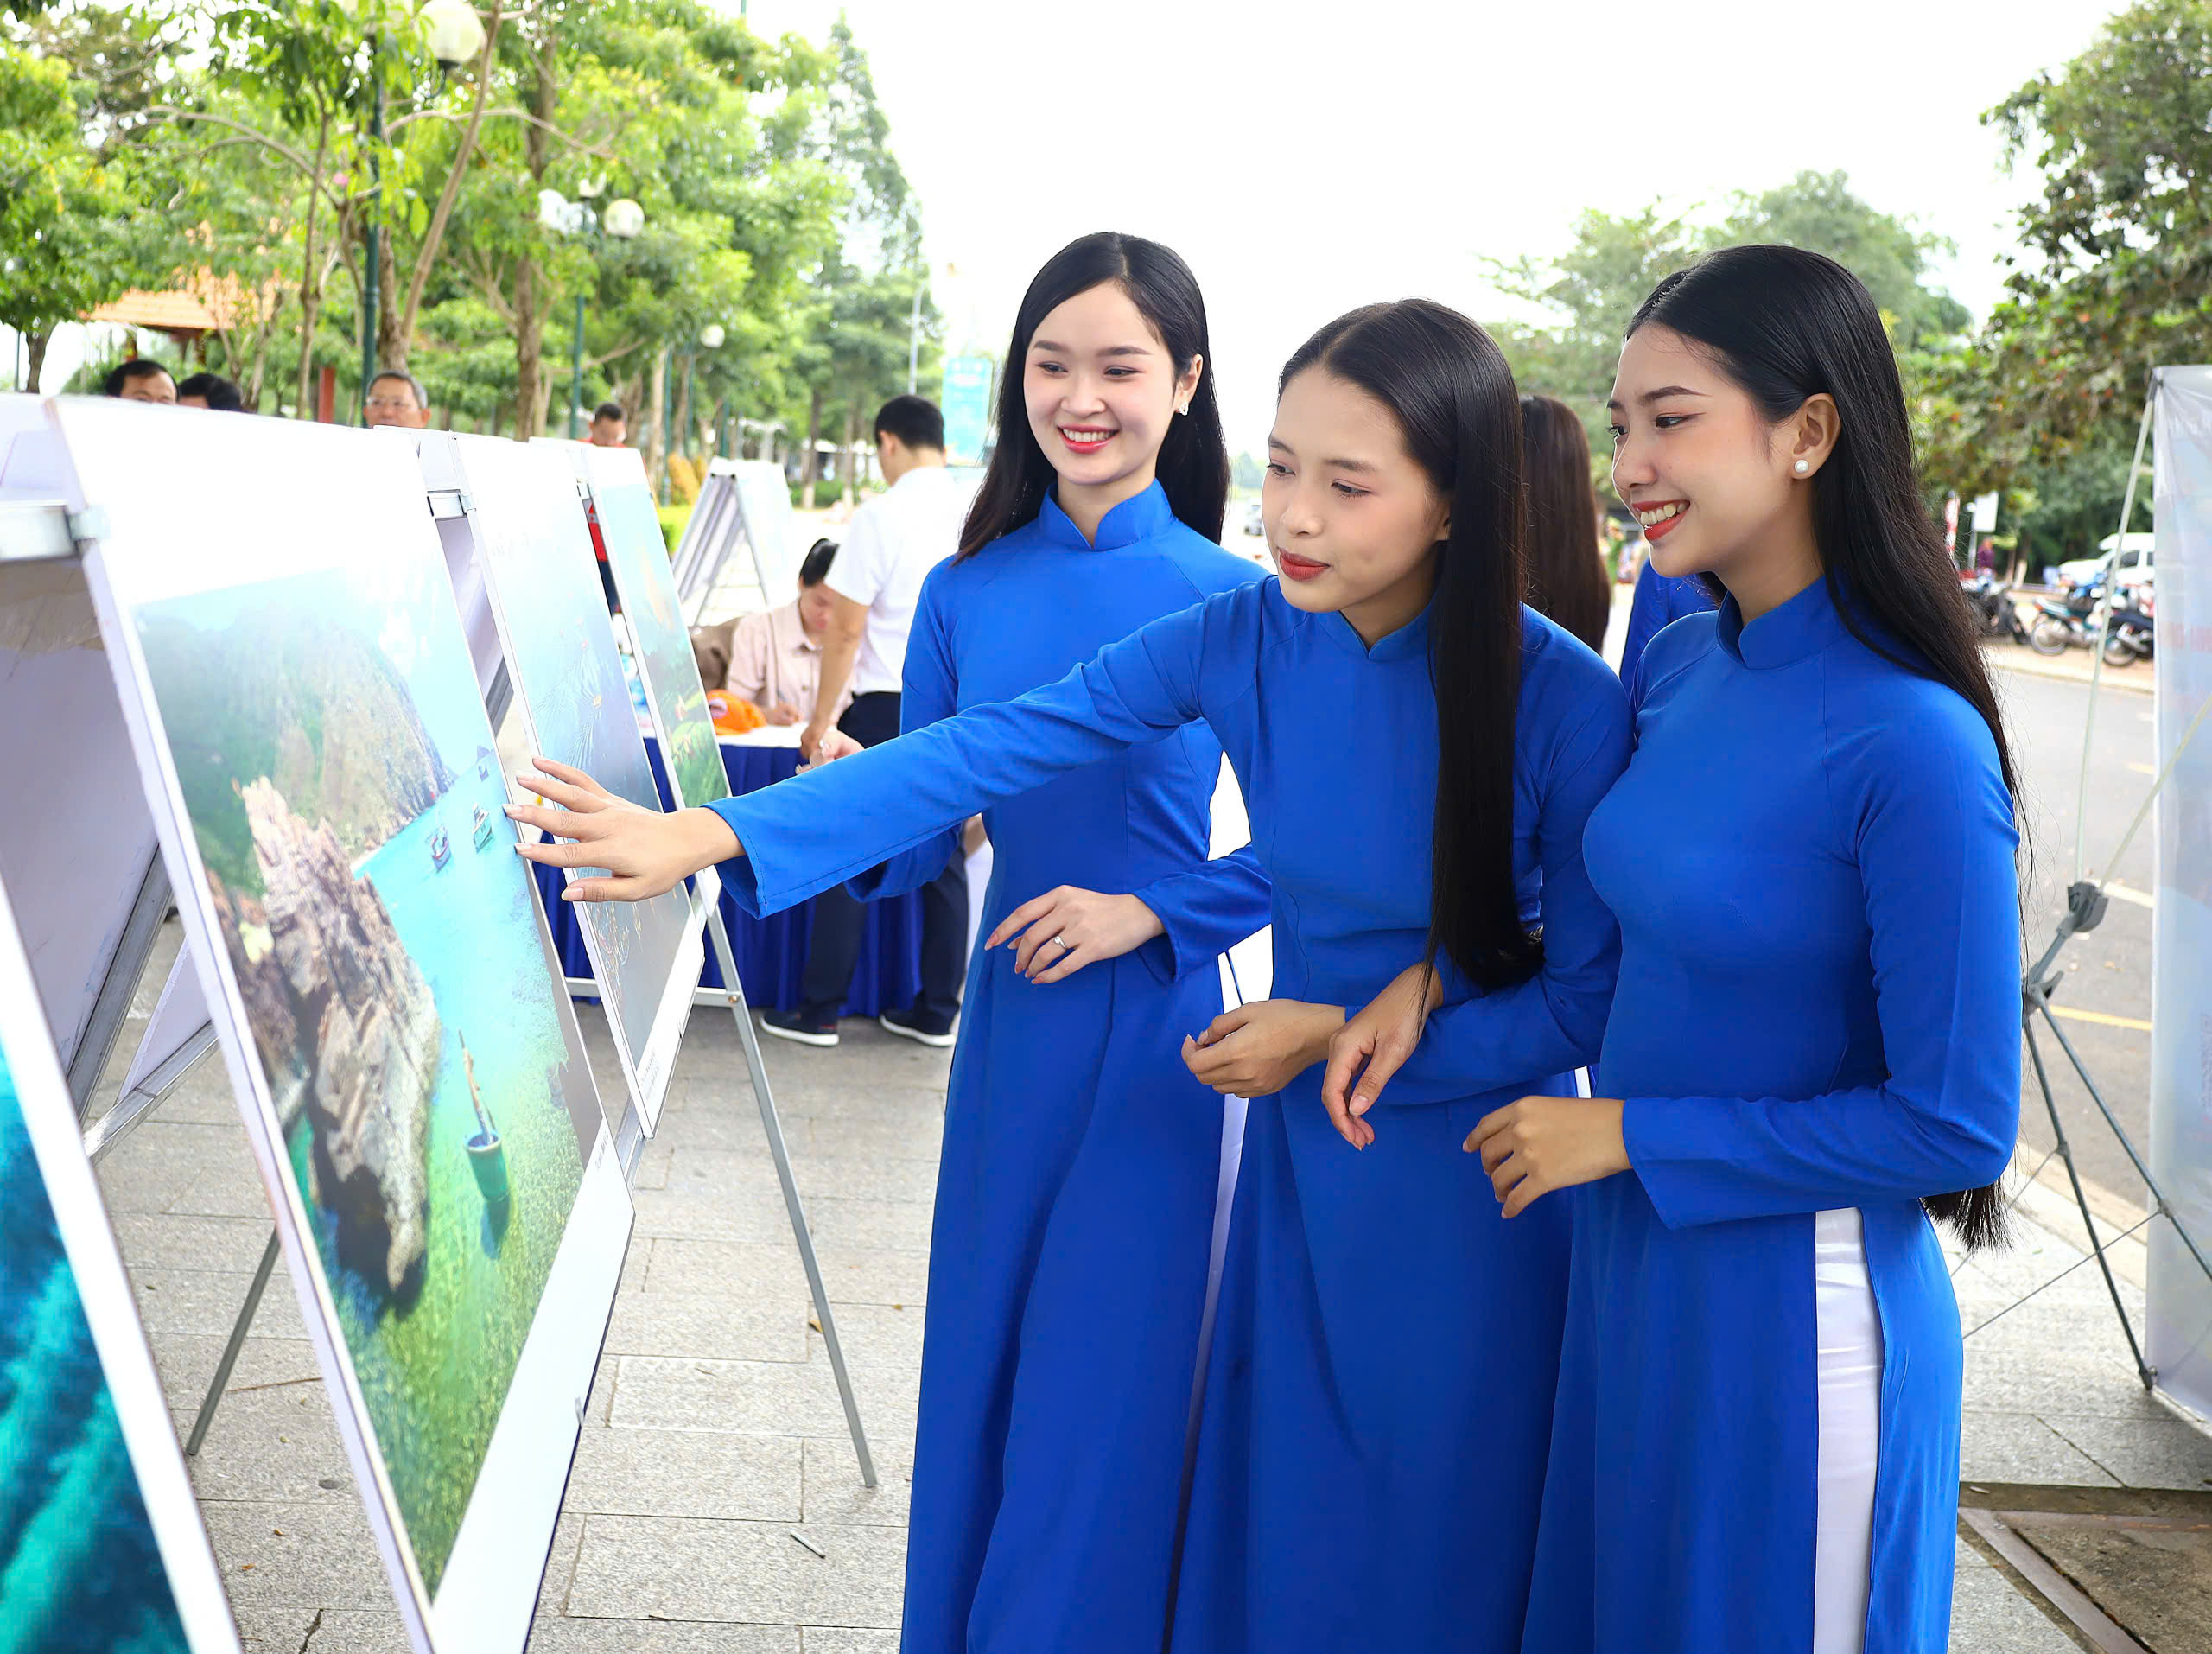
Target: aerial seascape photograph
x=561, y=652
x=660, y=643
x=79, y=1565
x=436, y=1106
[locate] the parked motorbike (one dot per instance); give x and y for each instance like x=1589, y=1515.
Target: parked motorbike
x=2067, y=622
x=2000, y=616
x=2132, y=632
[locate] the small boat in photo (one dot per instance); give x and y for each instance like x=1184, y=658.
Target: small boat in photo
x=484, y=758
x=486, y=1158
x=481, y=827
x=440, y=847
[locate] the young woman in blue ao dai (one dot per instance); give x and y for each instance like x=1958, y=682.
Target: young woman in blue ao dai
x=1815, y=1047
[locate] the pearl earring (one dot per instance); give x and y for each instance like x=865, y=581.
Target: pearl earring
x=1803, y=467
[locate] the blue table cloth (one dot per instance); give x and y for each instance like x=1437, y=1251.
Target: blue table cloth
x=772, y=952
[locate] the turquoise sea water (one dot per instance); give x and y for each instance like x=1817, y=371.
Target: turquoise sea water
x=79, y=1568
x=437, y=1374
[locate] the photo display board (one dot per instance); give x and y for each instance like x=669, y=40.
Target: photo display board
x=660, y=644
x=101, y=1545
x=2180, y=1333
x=570, y=692
x=310, y=731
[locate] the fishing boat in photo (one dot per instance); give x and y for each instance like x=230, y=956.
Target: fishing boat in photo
x=485, y=757
x=481, y=827
x=486, y=1158
x=440, y=847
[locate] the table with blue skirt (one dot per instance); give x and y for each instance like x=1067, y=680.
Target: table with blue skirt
x=771, y=952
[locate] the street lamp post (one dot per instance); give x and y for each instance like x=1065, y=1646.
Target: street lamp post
x=623, y=221
x=454, y=35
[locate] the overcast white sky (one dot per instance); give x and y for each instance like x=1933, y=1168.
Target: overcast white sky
x=1308, y=158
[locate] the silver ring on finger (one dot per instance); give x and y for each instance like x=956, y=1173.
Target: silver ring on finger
x=1061, y=943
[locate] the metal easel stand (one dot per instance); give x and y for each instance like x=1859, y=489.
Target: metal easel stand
x=2085, y=911
x=733, y=996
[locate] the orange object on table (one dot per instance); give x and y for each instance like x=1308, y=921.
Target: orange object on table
x=731, y=715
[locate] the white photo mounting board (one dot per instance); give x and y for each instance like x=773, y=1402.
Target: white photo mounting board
x=660, y=643
x=535, y=555
x=76, y=863
x=306, y=718
x=102, y=1542
x=2178, y=1338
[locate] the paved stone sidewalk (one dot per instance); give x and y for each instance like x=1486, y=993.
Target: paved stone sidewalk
x=715, y=1433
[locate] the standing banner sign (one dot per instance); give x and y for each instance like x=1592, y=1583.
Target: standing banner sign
x=967, y=403
x=2180, y=1343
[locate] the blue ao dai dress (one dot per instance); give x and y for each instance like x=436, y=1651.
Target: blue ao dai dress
x=1077, y=1188
x=1811, y=857
x=1372, y=1442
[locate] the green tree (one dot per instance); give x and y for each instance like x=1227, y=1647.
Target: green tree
x=1595, y=287
x=65, y=238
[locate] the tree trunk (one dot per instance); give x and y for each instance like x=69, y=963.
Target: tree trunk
x=809, y=464
x=311, y=290
x=533, y=390
x=852, y=441
x=529, y=348
x=392, y=343
x=656, y=442
x=35, y=340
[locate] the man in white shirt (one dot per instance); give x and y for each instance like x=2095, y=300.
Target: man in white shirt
x=894, y=542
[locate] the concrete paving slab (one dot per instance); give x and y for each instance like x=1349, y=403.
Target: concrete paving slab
x=2020, y=1448
x=631, y=1472
x=753, y=1573
x=832, y=1491
x=311, y=1555
x=706, y=1324
x=2156, y=1450
x=1990, y=1616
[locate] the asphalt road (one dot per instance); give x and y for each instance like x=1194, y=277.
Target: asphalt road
x=2105, y=1000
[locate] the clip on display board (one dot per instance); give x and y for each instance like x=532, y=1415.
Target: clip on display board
x=535, y=555
x=308, y=723
x=676, y=701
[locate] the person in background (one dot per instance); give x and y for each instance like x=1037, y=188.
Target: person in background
x=1660, y=601
x=140, y=380
x=894, y=540
x=1566, y=573
x=210, y=390
x=398, y=398
x=774, y=658
x=610, y=427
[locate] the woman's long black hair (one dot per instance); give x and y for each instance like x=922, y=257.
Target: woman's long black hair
x=1787, y=325
x=1448, y=386
x=1194, y=465
x=1567, y=576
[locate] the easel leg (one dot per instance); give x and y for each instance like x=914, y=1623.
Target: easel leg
x=725, y=956
x=2082, y=1201
x=243, y=1325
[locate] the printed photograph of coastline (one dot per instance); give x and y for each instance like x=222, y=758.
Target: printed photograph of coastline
x=82, y=1565
x=638, y=556
x=568, y=679
x=435, y=1100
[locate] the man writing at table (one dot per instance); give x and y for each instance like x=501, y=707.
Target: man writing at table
x=873, y=584
x=774, y=658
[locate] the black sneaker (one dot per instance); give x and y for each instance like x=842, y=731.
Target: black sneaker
x=790, y=1025
x=939, y=1038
